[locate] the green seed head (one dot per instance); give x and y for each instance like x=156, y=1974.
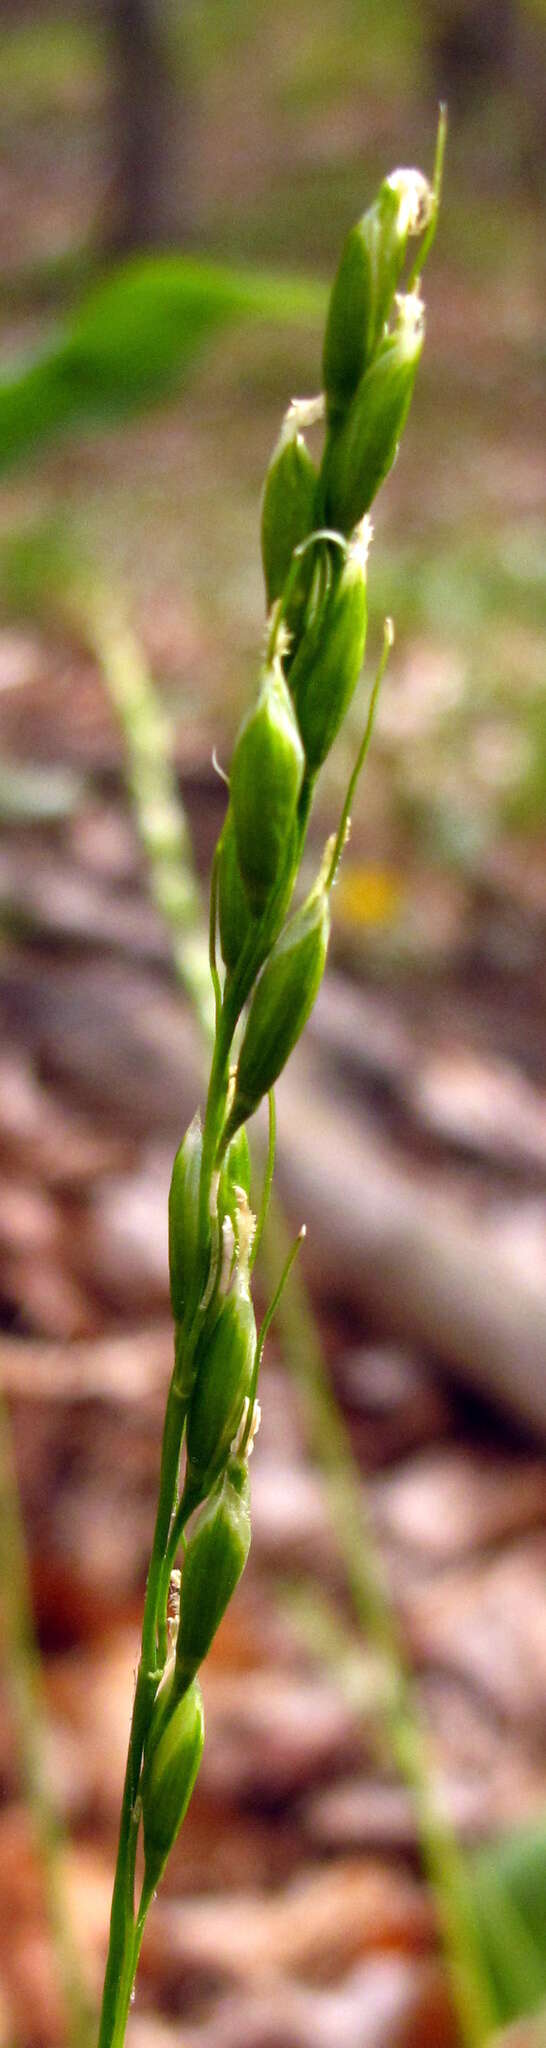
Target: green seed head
x=234, y=913
x=223, y=1372
x=369, y=272
x=217, y=1551
x=360, y=452
x=183, y=1217
x=327, y=665
x=172, y=1756
x=287, y=505
x=282, y=1003
x=266, y=778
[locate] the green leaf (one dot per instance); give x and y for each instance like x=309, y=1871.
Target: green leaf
x=508, y=1888
x=135, y=338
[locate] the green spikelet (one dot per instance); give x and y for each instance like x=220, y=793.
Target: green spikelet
x=223, y=1372
x=287, y=506
x=281, y=1004
x=174, y=1748
x=217, y=1550
x=266, y=777
x=361, y=451
x=326, y=669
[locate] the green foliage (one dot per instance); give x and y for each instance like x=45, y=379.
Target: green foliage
x=133, y=341
x=508, y=1888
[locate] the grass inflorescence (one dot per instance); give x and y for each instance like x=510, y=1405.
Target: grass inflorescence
x=267, y=959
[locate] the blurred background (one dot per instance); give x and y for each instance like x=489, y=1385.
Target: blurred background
x=364, y=1861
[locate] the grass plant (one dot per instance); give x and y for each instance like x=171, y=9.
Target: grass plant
x=266, y=964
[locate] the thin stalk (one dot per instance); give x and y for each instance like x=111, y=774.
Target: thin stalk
x=265, y=1326
x=189, y=1500
x=345, y=819
x=159, y=814
x=268, y=1180
x=122, y=1919
x=437, y=178
x=23, y=1682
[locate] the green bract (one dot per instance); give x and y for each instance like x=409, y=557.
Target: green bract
x=266, y=777
x=217, y=1551
x=173, y=1753
x=327, y=666
x=234, y=912
x=183, y=1216
x=281, y=1004
x=369, y=272
x=223, y=1372
x=235, y=1175
x=287, y=506
x=360, y=453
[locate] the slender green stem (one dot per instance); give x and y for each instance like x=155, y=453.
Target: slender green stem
x=122, y=1922
x=265, y=1326
x=189, y=1500
x=22, y=1680
x=341, y=834
x=437, y=177
x=268, y=1180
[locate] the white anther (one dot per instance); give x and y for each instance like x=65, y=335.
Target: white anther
x=410, y=318
x=228, y=1248
x=239, y=1439
x=254, y=1427
x=246, y=1225
x=173, y=1616
x=360, y=542
x=283, y=640
x=304, y=412
x=415, y=200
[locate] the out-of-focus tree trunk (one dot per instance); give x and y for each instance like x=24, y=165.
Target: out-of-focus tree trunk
x=472, y=44
x=479, y=49
x=148, y=202
x=149, y=199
